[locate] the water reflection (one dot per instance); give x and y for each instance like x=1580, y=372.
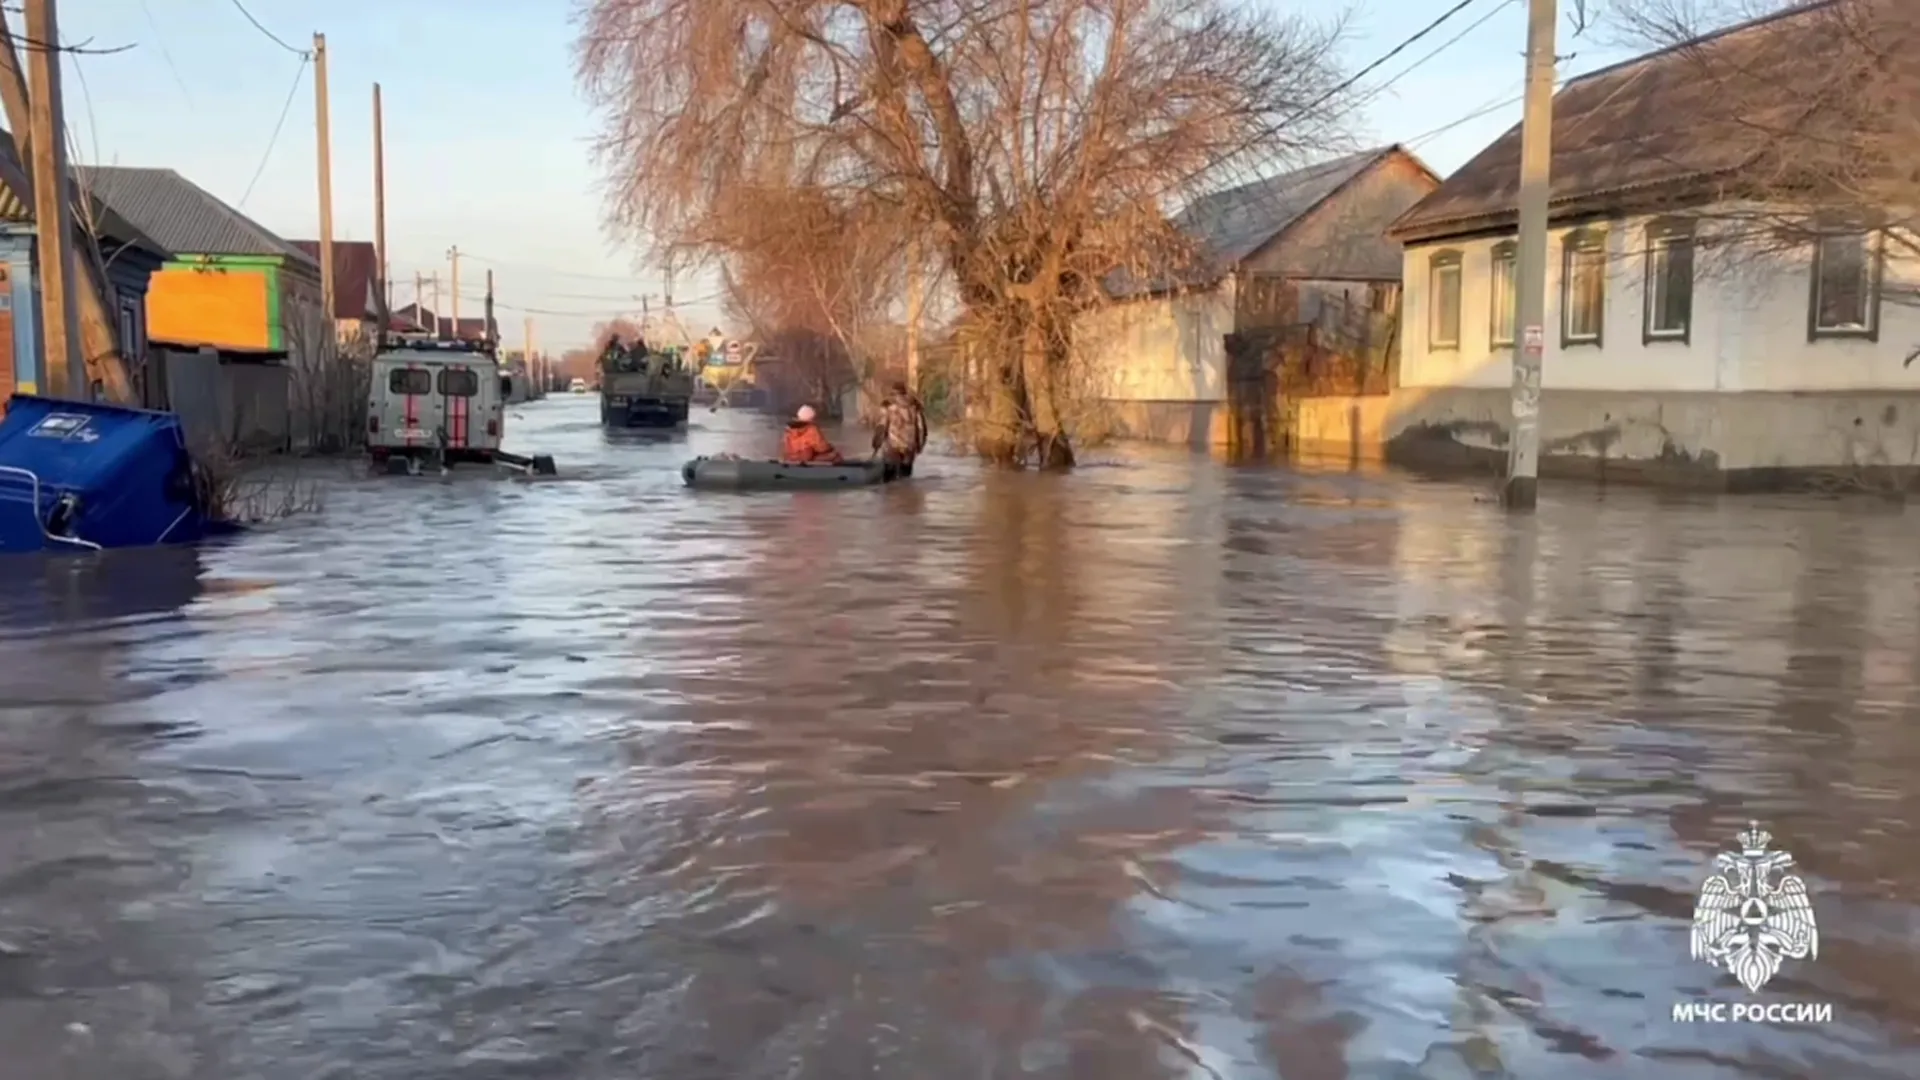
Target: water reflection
x=1164, y=769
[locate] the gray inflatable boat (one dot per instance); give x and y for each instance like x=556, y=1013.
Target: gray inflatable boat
x=741, y=474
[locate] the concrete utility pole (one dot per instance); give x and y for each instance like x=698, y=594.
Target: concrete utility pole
x=487, y=324
x=915, y=300
x=1530, y=260
x=435, y=282
x=52, y=208
x=323, y=132
x=526, y=344
x=385, y=291
x=419, y=299
x=453, y=256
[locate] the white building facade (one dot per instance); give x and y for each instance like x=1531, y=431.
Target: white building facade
x=1661, y=346
x=1701, y=326
x=1637, y=305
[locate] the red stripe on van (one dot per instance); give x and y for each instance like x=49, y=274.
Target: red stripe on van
x=458, y=406
x=413, y=414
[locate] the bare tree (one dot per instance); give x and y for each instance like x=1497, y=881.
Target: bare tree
x=1037, y=145
x=1814, y=117
x=814, y=274
x=327, y=380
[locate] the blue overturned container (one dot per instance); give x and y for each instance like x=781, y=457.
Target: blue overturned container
x=80, y=476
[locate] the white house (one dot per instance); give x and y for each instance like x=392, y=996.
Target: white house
x=1293, y=242
x=1680, y=342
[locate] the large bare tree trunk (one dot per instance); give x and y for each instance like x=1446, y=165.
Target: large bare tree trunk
x=1042, y=355
x=1000, y=435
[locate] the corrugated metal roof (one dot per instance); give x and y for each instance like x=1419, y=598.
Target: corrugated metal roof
x=1743, y=101
x=15, y=183
x=182, y=216
x=1228, y=226
x=1234, y=224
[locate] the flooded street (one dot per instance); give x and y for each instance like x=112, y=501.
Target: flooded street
x=1162, y=769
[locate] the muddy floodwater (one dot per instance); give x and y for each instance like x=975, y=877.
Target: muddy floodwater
x=1162, y=769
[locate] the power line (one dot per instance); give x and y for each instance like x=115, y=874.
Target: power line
x=1435, y=51
x=285, y=108
x=1410, y=42
x=600, y=313
x=1515, y=99
x=84, y=48
x=93, y=124
x=161, y=44
x=1494, y=106
x=555, y=273
x=270, y=35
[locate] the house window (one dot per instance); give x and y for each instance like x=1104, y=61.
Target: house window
x=1846, y=287
x=1505, y=258
x=1583, y=288
x=131, y=345
x=1443, y=302
x=1669, y=315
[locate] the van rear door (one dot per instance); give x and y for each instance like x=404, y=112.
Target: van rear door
x=458, y=384
x=411, y=407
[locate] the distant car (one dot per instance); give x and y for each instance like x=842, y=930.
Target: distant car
x=577, y=386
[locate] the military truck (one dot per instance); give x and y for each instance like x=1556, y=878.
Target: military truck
x=641, y=387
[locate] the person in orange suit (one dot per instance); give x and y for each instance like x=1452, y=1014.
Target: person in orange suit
x=804, y=444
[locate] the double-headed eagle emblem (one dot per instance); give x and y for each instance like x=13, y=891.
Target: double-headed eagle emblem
x=1753, y=912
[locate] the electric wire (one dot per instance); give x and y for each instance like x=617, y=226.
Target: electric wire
x=258, y=25
x=286, y=107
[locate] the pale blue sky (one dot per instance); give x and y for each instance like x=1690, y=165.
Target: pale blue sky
x=488, y=142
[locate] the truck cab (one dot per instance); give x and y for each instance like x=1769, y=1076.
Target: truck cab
x=436, y=399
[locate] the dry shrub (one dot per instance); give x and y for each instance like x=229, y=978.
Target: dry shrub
x=240, y=482
x=233, y=486
x=327, y=383
x=1033, y=147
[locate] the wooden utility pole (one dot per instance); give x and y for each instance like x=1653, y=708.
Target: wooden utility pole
x=453, y=256
x=1530, y=260
x=323, y=132
x=52, y=208
x=99, y=332
x=385, y=290
x=526, y=343
x=915, y=300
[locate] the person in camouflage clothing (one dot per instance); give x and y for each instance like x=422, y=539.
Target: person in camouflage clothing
x=902, y=432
